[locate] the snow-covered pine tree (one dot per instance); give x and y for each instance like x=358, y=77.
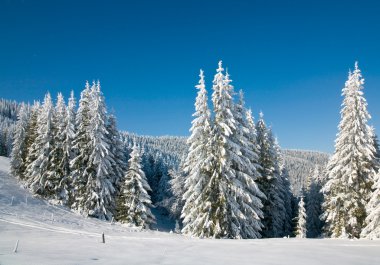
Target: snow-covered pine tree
x=133, y=206
x=97, y=195
x=246, y=169
x=31, y=135
x=117, y=150
x=68, y=152
x=269, y=181
x=252, y=136
x=19, y=151
x=301, y=220
x=197, y=167
x=38, y=171
x=352, y=167
x=221, y=209
x=221, y=212
x=81, y=149
x=56, y=173
x=215, y=217
x=372, y=228
x=314, y=200
x=281, y=186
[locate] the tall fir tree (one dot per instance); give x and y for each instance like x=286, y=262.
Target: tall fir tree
x=301, y=219
x=269, y=181
x=68, y=137
x=81, y=148
x=19, y=150
x=197, y=166
x=227, y=200
x=246, y=167
x=56, y=173
x=116, y=148
x=31, y=135
x=97, y=195
x=221, y=208
x=280, y=190
x=352, y=167
x=134, y=203
x=218, y=215
x=39, y=169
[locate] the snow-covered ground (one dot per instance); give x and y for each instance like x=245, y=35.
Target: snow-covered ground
x=49, y=234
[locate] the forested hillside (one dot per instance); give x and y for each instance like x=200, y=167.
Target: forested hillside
x=8, y=117
x=300, y=165
x=165, y=152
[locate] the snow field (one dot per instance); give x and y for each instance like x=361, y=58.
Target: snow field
x=72, y=239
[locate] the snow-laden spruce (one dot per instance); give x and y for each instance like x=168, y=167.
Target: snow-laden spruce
x=19, y=151
x=197, y=167
x=38, y=171
x=31, y=134
x=81, y=148
x=117, y=150
x=246, y=170
x=222, y=211
x=282, y=216
x=68, y=136
x=57, y=170
x=96, y=197
x=134, y=203
x=352, y=167
x=221, y=198
x=270, y=181
x=219, y=211
x=372, y=228
x=301, y=229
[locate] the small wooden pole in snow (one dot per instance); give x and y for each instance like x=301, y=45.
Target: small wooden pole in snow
x=112, y=220
x=13, y=197
x=16, y=246
x=26, y=199
x=52, y=217
x=103, y=238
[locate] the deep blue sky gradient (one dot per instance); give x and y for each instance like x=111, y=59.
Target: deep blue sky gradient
x=290, y=57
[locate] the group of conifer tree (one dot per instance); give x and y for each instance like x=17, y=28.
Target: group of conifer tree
x=232, y=183
x=346, y=202
x=235, y=183
x=75, y=157
x=236, y=186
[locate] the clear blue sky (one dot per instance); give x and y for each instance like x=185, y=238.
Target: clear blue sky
x=290, y=57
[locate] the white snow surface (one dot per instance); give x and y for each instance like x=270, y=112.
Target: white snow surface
x=51, y=234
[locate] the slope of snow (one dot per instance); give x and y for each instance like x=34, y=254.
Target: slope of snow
x=50, y=234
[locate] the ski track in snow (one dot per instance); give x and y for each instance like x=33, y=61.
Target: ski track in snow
x=69, y=238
